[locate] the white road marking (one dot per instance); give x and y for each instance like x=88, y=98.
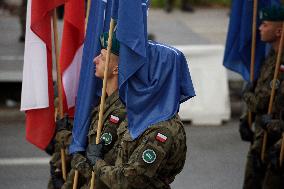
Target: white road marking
x=11, y=58
x=24, y=161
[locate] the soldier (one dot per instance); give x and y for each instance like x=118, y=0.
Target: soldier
x=114, y=114
x=257, y=97
x=154, y=158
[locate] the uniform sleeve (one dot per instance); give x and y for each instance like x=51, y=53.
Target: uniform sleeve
x=274, y=131
x=142, y=166
x=80, y=163
x=255, y=102
x=250, y=100
x=64, y=137
x=109, y=131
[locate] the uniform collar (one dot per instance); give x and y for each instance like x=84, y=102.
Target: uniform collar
x=111, y=99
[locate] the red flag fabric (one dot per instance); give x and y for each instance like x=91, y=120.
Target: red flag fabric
x=40, y=124
x=71, y=51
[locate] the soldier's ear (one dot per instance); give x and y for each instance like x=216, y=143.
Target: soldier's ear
x=279, y=31
x=115, y=70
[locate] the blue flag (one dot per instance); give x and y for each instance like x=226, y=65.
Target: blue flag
x=237, y=55
x=90, y=86
x=131, y=31
x=155, y=91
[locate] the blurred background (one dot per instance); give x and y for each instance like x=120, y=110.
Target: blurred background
x=216, y=155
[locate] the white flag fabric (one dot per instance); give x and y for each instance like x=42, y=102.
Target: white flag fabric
x=71, y=85
x=35, y=82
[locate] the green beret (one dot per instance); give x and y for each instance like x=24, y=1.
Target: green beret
x=274, y=13
x=115, y=43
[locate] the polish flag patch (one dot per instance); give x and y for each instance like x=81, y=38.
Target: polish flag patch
x=114, y=119
x=160, y=137
x=282, y=67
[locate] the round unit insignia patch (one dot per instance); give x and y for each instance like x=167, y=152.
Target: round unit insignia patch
x=149, y=156
x=107, y=138
x=277, y=83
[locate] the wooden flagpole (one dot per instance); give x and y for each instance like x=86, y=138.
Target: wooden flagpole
x=87, y=14
x=59, y=85
x=252, y=60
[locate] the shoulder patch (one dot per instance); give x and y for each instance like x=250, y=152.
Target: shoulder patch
x=107, y=138
x=114, y=119
x=149, y=156
x=161, y=138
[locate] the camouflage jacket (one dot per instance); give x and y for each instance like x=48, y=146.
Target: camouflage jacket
x=114, y=114
x=276, y=128
x=150, y=161
x=62, y=140
x=258, y=101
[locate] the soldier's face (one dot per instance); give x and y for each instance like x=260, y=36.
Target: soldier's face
x=270, y=31
x=100, y=62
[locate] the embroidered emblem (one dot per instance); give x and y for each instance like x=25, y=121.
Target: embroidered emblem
x=114, y=119
x=149, y=156
x=107, y=138
x=160, y=137
x=282, y=68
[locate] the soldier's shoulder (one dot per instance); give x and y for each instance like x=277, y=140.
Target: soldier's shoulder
x=172, y=130
x=173, y=125
x=162, y=133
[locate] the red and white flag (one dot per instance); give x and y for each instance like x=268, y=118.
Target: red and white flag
x=71, y=51
x=37, y=87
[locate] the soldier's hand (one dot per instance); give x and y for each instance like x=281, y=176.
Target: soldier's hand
x=63, y=124
x=245, y=131
x=50, y=147
x=78, y=161
x=94, y=153
x=265, y=121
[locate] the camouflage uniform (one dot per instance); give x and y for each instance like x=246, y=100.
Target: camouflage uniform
x=150, y=161
x=62, y=140
x=274, y=177
x=257, y=102
x=114, y=114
